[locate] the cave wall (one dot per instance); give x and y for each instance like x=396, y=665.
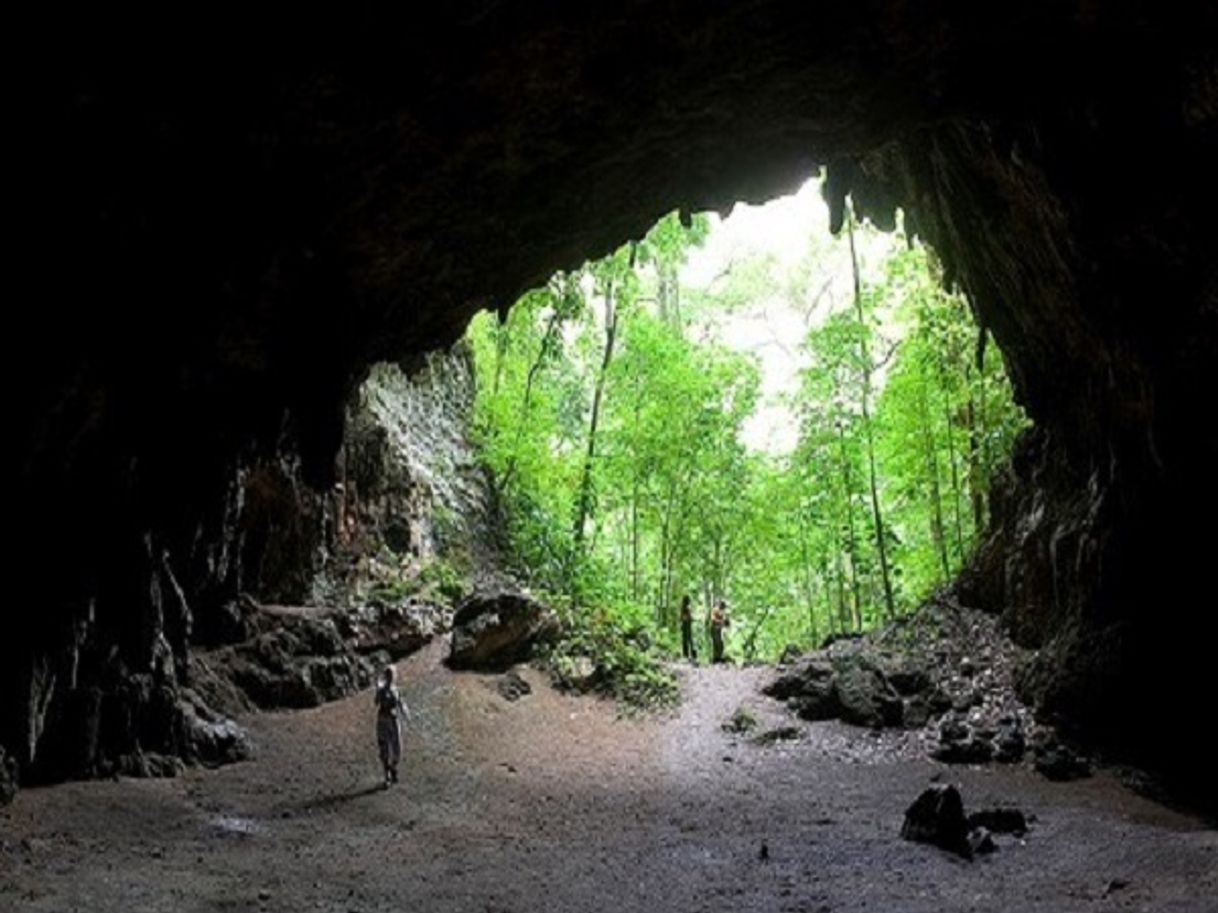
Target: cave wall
x=411, y=474
x=226, y=221
x=413, y=505
x=1087, y=248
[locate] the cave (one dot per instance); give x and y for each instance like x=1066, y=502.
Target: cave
x=231, y=222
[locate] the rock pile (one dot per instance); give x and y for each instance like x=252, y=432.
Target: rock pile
x=946, y=669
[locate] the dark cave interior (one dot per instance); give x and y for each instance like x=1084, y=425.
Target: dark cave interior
x=230, y=224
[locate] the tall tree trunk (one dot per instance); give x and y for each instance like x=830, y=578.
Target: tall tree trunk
x=987, y=460
x=975, y=484
x=749, y=649
x=826, y=576
x=676, y=303
x=663, y=600
x=661, y=581
x=584, y=502
x=806, y=561
x=634, y=541
x=877, y=515
x=955, y=476
x=936, y=491
x=851, y=542
x=843, y=611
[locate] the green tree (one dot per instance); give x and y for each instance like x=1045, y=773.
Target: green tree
x=611, y=420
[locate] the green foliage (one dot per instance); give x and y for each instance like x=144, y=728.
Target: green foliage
x=441, y=578
x=444, y=576
x=610, y=419
x=598, y=652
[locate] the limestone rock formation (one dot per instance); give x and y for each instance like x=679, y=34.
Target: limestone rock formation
x=494, y=631
x=920, y=670
x=217, y=255
x=302, y=657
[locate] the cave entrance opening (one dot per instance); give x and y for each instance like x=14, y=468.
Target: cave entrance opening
x=744, y=408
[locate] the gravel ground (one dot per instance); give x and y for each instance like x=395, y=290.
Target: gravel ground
x=553, y=803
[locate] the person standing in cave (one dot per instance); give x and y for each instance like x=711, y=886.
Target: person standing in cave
x=718, y=621
x=688, y=650
x=390, y=709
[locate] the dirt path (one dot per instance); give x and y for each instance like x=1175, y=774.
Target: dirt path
x=553, y=804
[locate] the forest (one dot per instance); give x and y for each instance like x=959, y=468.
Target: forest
x=639, y=453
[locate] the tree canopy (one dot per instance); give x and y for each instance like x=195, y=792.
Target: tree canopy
x=611, y=412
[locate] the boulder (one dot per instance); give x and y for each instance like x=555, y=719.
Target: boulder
x=865, y=695
x=817, y=701
x=937, y=817
x=811, y=674
x=512, y=687
x=848, y=686
x=492, y=632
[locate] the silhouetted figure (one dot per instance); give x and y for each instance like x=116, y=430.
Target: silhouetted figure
x=718, y=621
x=688, y=650
x=389, y=712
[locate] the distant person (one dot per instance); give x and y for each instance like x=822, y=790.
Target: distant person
x=688, y=650
x=718, y=621
x=390, y=709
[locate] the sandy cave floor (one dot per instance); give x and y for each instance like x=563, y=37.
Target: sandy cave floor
x=553, y=803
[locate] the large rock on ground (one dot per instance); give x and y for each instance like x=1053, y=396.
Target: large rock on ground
x=303, y=657
x=494, y=631
x=850, y=687
x=795, y=682
x=937, y=817
x=865, y=694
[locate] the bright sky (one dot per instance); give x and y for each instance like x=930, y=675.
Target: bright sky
x=773, y=327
